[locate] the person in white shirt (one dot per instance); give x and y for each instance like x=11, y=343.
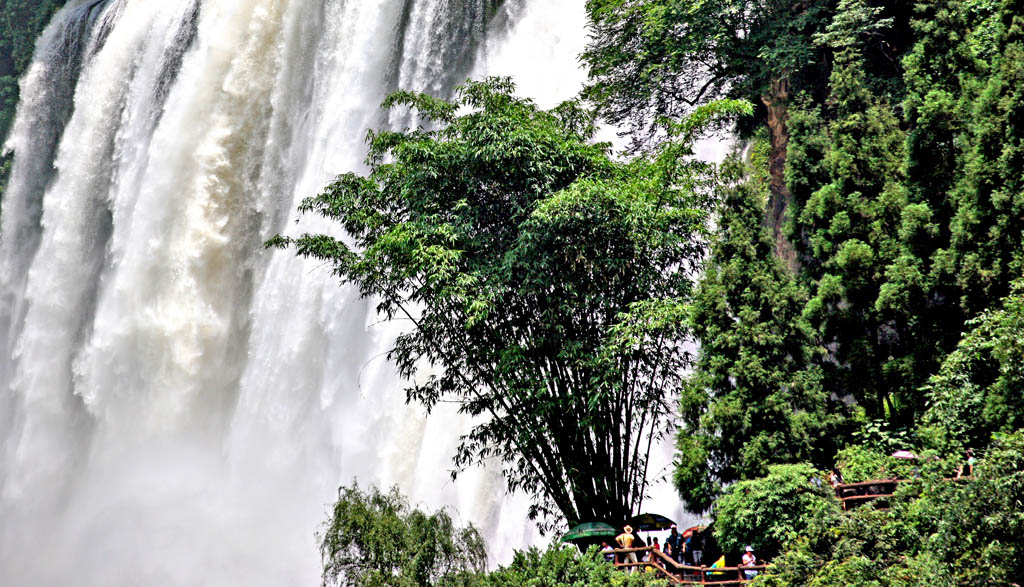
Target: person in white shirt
x=749, y=560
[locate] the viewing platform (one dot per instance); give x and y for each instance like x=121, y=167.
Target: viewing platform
x=853, y=494
x=679, y=574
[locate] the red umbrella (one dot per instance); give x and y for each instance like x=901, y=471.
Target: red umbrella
x=693, y=530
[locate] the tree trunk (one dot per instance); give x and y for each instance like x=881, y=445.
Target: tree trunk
x=777, y=102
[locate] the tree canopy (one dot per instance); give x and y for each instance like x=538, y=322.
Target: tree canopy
x=768, y=511
x=651, y=59
x=543, y=279
x=754, y=397
x=375, y=539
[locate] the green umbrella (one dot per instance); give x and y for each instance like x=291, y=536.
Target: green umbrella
x=589, y=530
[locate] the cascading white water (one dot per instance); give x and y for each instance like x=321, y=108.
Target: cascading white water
x=178, y=405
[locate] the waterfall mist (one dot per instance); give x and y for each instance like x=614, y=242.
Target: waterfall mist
x=178, y=405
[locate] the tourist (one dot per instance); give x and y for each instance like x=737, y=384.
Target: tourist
x=626, y=540
x=718, y=564
x=674, y=545
x=749, y=560
x=694, y=545
x=834, y=478
x=609, y=552
x=652, y=557
x=969, y=465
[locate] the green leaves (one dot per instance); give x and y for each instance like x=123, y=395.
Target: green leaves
x=977, y=392
x=937, y=531
x=564, y=566
x=655, y=60
x=376, y=539
x=774, y=511
x=542, y=279
x=753, y=398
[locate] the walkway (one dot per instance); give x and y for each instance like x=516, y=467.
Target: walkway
x=679, y=574
x=852, y=494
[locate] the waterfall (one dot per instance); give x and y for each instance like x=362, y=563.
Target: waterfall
x=178, y=405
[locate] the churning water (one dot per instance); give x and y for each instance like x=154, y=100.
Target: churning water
x=178, y=405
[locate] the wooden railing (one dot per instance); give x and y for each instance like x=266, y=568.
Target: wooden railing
x=851, y=494
x=667, y=568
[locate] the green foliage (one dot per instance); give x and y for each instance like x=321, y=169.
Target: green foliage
x=987, y=229
x=866, y=548
x=884, y=439
x=899, y=326
x=937, y=532
x=849, y=227
x=979, y=523
x=542, y=278
x=978, y=389
x=563, y=567
x=751, y=400
x=656, y=59
x=376, y=539
x=900, y=247
x=776, y=510
x=859, y=463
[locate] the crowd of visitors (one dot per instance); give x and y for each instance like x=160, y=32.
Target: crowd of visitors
x=686, y=550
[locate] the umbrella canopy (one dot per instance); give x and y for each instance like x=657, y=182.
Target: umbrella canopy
x=693, y=530
x=904, y=454
x=650, y=522
x=589, y=530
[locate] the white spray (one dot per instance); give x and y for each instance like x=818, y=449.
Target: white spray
x=178, y=405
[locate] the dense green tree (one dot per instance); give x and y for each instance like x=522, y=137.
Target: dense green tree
x=962, y=235
x=773, y=511
x=376, y=539
x=902, y=152
x=655, y=58
x=849, y=231
x=652, y=59
x=987, y=231
x=900, y=248
x=975, y=527
x=752, y=399
x=978, y=389
x=563, y=566
x=937, y=532
x=863, y=548
x=543, y=279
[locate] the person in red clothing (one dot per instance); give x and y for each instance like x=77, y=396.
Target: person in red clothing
x=651, y=556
